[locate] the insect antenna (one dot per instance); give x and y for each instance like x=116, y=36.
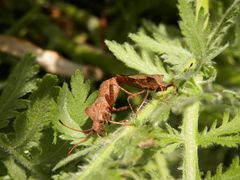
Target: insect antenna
x=133, y=95
x=89, y=131
x=83, y=140
x=74, y=129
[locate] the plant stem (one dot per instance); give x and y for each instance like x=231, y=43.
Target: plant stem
x=190, y=131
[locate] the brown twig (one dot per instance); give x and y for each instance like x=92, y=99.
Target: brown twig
x=49, y=60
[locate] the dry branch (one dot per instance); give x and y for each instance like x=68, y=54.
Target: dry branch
x=50, y=61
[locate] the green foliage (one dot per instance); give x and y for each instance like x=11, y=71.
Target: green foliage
x=143, y=63
x=231, y=173
x=28, y=129
x=157, y=168
x=170, y=50
x=225, y=135
x=19, y=83
x=159, y=46
x=42, y=109
x=15, y=172
x=164, y=137
x=197, y=33
x=222, y=26
x=71, y=107
x=192, y=63
x=194, y=30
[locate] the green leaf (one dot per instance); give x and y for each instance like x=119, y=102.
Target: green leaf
x=20, y=157
x=79, y=98
x=20, y=82
x=209, y=74
x=222, y=26
x=41, y=111
x=165, y=41
x=14, y=170
x=65, y=176
x=171, y=51
x=157, y=168
x=168, y=138
x=193, y=30
x=224, y=134
x=214, y=52
x=227, y=141
x=29, y=126
x=162, y=31
x=232, y=173
x=71, y=106
x=191, y=88
x=143, y=63
x=72, y=157
x=162, y=113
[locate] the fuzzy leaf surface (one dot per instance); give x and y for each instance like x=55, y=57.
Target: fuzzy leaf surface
x=232, y=173
x=225, y=134
x=193, y=30
x=170, y=51
x=142, y=62
x=14, y=170
x=41, y=111
x=71, y=106
x=19, y=83
x=222, y=26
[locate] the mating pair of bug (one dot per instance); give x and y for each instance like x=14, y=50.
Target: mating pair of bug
x=100, y=112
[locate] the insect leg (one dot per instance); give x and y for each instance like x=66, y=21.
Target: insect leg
x=120, y=108
x=132, y=96
x=112, y=97
x=127, y=92
x=130, y=105
x=123, y=122
x=99, y=135
x=144, y=100
x=105, y=133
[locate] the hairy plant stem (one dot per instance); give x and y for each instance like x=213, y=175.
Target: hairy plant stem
x=190, y=131
x=190, y=123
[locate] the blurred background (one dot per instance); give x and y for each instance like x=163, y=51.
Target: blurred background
x=77, y=29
